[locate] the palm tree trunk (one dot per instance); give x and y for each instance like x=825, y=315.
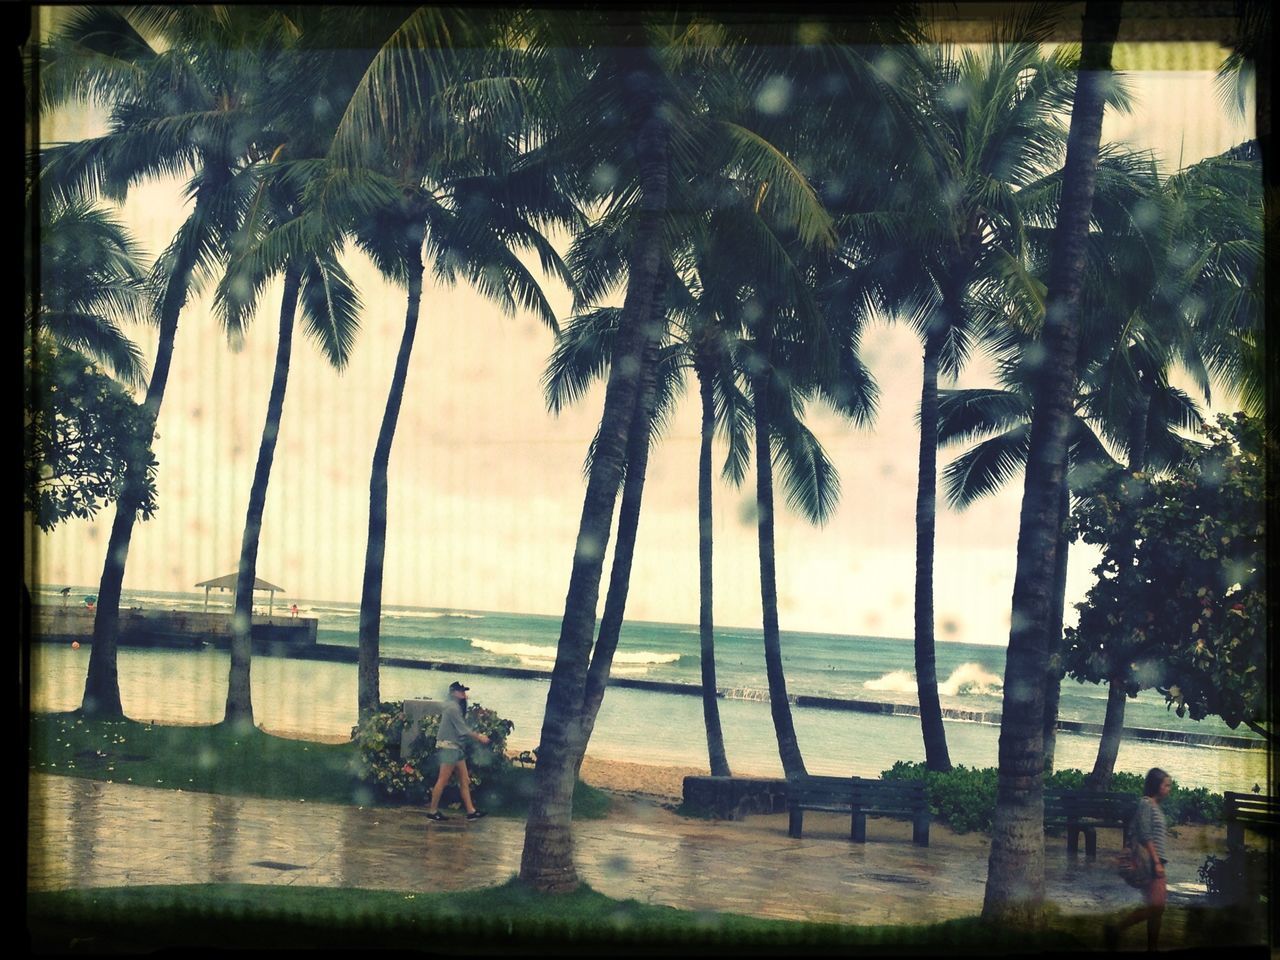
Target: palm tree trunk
x=239, y=710
x=706, y=628
x=1053, y=680
x=547, y=859
x=1015, y=871
x=367, y=682
x=935, y=736
x=102, y=684
x=615, y=601
x=779, y=705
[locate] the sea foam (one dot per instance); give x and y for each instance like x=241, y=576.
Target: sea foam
x=532, y=652
x=968, y=678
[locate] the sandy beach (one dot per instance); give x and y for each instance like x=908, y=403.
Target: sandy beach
x=616, y=776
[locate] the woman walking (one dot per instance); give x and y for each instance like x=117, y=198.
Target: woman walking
x=1149, y=832
x=453, y=727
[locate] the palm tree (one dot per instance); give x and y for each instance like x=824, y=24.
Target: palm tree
x=630, y=116
x=699, y=338
x=91, y=281
x=456, y=185
x=1015, y=872
x=172, y=79
x=985, y=125
x=1197, y=307
x=1006, y=315
x=1000, y=420
x=306, y=81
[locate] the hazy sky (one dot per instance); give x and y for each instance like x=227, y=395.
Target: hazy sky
x=486, y=487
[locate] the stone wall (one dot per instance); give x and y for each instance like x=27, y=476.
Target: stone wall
x=732, y=798
x=170, y=628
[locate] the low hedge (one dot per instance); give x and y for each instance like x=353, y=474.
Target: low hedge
x=964, y=798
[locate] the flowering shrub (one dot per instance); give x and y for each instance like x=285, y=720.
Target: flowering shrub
x=409, y=778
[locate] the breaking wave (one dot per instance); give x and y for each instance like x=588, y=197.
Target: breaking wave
x=433, y=615
x=541, y=654
x=966, y=679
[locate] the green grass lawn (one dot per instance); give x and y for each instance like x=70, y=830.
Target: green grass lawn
x=213, y=759
x=234, y=916
x=230, y=916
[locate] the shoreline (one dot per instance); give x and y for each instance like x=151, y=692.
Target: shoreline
x=343, y=653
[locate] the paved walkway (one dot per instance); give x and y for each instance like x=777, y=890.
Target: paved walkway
x=88, y=833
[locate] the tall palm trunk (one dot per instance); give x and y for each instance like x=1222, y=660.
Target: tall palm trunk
x=102, y=684
x=239, y=710
x=779, y=705
x=1053, y=679
x=367, y=685
x=1104, y=764
x=706, y=628
x=615, y=601
x=1015, y=871
x=935, y=736
x=547, y=859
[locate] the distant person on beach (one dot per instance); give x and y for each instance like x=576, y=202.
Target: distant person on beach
x=1149, y=831
x=453, y=727
x=293, y=611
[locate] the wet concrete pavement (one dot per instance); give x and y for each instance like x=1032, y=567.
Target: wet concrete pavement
x=88, y=833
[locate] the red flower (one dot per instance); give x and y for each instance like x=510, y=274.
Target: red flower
x=406, y=769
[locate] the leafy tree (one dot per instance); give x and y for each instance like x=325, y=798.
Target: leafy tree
x=81, y=428
x=1180, y=600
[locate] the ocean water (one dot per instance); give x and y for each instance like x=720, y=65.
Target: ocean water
x=637, y=725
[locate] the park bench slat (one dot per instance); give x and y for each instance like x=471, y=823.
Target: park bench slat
x=859, y=797
x=1083, y=811
x=1251, y=810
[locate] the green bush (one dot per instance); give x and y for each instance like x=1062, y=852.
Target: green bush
x=409, y=778
x=964, y=798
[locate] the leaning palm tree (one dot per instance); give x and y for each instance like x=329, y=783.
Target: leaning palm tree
x=698, y=338
x=300, y=113
x=434, y=125
x=171, y=79
x=1015, y=872
x=1008, y=310
x=1171, y=281
x=635, y=133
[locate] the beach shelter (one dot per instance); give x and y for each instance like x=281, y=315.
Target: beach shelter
x=229, y=583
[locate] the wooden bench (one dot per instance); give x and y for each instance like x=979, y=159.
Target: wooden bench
x=1251, y=810
x=859, y=797
x=1084, y=811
